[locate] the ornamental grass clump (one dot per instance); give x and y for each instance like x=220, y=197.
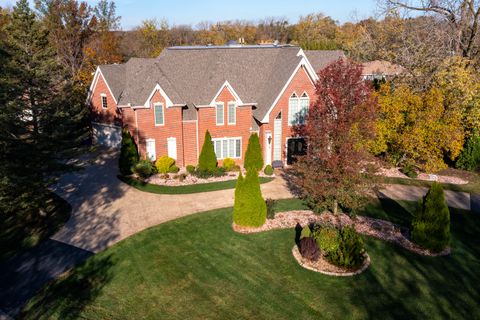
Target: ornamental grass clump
x=249, y=209
x=431, y=223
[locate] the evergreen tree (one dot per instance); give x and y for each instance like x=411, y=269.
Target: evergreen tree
x=128, y=154
x=41, y=118
x=470, y=157
x=207, y=160
x=249, y=208
x=431, y=224
x=253, y=155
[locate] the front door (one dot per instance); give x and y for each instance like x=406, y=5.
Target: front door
x=277, y=138
x=296, y=147
x=268, y=148
x=172, y=148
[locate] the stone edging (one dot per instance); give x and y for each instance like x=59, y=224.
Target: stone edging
x=308, y=265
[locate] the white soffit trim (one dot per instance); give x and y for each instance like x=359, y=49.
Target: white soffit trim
x=312, y=76
x=230, y=88
x=98, y=73
x=168, y=101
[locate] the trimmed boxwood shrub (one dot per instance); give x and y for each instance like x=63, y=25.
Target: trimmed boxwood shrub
x=173, y=169
x=144, y=169
x=253, y=155
x=207, y=160
x=470, y=157
x=327, y=239
x=431, y=223
x=204, y=174
x=164, y=164
x=128, y=154
x=190, y=169
x=268, y=170
x=228, y=164
x=249, y=209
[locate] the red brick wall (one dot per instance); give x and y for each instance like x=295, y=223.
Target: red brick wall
x=111, y=115
x=190, y=142
x=299, y=84
x=207, y=121
x=172, y=128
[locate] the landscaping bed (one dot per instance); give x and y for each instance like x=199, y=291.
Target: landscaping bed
x=377, y=228
x=449, y=179
x=182, y=178
x=323, y=266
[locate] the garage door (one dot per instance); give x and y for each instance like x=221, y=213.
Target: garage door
x=107, y=135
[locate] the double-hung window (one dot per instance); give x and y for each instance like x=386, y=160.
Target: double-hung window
x=159, y=116
x=227, y=148
x=298, y=108
x=103, y=98
x=219, y=113
x=232, y=113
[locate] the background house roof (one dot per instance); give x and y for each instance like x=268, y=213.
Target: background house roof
x=193, y=75
x=381, y=67
x=319, y=59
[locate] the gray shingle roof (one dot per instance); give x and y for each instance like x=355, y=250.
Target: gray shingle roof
x=319, y=59
x=193, y=75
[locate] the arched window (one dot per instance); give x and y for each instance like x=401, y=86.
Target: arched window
x=297, y=108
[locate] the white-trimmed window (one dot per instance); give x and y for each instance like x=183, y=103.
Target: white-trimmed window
x=151, y=153
x=158, y=113
x=219, y=113
x=232, y=113
x=228, y=148
x=298, y=108
x=103, y=99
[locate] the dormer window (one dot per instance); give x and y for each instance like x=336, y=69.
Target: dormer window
x=298, y=108
x=103, y=98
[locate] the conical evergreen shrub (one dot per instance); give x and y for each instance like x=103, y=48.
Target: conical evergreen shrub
x=253, y=155
x=128, y=154
x=249, y=209
x=207, y=160
x=431, y=224
x=470, y=157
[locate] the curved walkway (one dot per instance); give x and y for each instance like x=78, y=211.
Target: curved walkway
x=106, y=210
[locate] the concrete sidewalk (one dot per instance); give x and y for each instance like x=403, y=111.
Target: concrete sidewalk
x=459, y=200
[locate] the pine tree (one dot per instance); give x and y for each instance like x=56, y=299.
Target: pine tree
x=128, y=154
x=249, y=208
x=431, y=224
x=207, y=160
x=470, y=157
x=253, y=155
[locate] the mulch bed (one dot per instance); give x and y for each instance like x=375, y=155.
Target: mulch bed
x=325, y=267
x=377, y=228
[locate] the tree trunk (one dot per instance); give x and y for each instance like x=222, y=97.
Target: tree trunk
x=335, y=207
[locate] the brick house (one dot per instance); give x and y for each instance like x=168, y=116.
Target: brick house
x=169, y=102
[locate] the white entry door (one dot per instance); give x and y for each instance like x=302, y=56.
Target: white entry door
x=172, y=148
x=268, y=148
x=277, y=138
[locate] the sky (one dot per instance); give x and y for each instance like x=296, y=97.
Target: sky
x=178, y=12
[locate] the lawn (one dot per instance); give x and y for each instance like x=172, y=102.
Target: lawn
x=194, y=188
x=198, y=268
x=24, y=232
x=472, y=187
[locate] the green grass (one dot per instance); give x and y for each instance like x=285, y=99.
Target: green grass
x=198, y=268
x=194, y=188
x=471, y=187
x=24, y=232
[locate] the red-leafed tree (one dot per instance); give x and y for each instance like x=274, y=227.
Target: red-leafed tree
x=339, y=125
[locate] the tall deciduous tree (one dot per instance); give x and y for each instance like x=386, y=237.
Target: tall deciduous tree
x=70, y=26
x=339, y=124
x=462, y=16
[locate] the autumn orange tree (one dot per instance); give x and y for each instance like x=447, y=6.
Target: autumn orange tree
x=339, y=124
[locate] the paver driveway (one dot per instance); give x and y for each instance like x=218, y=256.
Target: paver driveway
x=106, y=210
